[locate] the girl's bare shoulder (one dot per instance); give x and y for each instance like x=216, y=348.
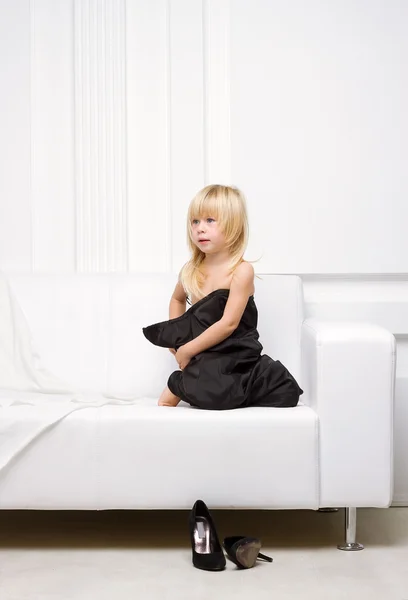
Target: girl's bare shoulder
x=245, y=270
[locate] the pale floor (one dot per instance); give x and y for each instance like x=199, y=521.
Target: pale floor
x=136, y=555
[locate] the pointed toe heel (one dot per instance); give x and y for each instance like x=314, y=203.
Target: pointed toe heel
x=207, y=552
x=244, y=551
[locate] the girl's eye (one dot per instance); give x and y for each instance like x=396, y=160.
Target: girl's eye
x=195, y=221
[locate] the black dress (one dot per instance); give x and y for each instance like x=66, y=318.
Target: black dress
x=231, y=374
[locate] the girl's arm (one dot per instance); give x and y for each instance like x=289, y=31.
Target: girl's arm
x=177, y=306
x=215, y=334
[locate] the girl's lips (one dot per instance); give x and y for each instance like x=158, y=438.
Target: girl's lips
x=203, y=241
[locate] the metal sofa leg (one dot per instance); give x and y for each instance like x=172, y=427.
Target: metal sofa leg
x=351, y=523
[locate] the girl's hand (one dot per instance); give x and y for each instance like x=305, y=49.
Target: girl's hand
x=183, y=356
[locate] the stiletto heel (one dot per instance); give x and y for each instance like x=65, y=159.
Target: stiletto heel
x=206, y=548
x=244, y=551
x=264, y=557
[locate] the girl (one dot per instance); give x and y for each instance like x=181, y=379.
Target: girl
x=216, y=341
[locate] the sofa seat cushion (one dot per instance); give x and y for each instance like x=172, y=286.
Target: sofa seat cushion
x=145, y=456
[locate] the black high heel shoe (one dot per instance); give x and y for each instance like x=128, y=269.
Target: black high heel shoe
x=207, y=551
x=244, y=551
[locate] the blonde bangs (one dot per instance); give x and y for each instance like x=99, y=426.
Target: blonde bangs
x=207, y=203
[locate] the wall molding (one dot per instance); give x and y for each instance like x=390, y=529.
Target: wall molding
x=354, y=276
x=100, y=135
x=379, y=300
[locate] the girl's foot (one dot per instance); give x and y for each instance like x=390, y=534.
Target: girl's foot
x=167, y=398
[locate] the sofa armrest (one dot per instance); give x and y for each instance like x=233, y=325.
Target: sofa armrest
x=348, y=376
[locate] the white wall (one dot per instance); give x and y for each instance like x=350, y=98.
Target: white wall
x=115, y=112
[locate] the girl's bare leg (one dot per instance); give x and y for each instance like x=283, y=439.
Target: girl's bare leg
x=167, y=398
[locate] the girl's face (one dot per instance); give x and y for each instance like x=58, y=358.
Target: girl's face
x=207, y=234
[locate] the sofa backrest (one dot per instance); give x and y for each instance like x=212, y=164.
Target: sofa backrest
x=87, y=328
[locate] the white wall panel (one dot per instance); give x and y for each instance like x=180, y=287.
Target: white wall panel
x=400, y=497
x=217, y=101
x=100, y=135
x=149, y=135
x=401, y=423
x=320, y=132
x=52, y=136
x=15, y=112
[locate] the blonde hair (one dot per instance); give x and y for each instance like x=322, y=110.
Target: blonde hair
x=227, y=205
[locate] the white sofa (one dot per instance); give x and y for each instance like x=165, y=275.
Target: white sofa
x=335, y=449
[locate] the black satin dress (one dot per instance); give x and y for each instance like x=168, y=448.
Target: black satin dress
x=231, y=374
